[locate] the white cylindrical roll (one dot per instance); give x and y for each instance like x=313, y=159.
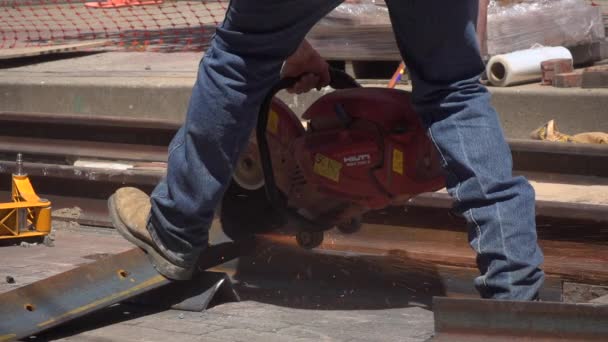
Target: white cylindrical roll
x=522, y=66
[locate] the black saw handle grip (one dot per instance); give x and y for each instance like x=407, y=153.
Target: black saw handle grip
x=337, y=79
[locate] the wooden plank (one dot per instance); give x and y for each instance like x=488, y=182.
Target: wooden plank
x=482, y=26
x=362, y=42
x=47, y=50
x=595, y=77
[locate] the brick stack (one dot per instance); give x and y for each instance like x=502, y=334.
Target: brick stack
x=587, y=78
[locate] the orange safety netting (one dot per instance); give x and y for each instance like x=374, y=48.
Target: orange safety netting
x=156, y=25
x=153, y=25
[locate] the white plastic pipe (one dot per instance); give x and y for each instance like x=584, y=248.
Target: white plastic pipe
x=522, y=66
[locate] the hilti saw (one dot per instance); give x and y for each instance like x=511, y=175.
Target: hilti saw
x=354, y=150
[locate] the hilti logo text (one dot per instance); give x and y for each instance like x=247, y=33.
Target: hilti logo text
x=362, y=159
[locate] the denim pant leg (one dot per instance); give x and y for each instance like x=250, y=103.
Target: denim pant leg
x=241, y=65
x=438, y=42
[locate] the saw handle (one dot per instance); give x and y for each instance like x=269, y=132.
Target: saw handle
x=338, y=80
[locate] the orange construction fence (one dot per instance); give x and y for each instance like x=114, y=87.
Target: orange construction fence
x=161, y=25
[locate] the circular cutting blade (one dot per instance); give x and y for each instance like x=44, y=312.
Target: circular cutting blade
x=248, y=172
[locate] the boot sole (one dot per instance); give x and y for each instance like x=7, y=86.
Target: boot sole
x=160, y=263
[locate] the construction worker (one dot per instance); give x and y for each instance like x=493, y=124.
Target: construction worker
x=437, y=40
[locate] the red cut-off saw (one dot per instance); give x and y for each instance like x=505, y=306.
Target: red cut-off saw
x=354, y=150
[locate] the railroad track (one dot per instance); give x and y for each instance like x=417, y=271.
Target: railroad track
x=79, y=161
x=100, y=154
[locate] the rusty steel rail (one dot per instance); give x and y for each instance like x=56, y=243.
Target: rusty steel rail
x=268, y=273
x=109, y=137
x=63, y=148
x=58, y=299
x=51, y=141
x=61, y=298
x=489, y=320
x=141, y=177
x=35, y=307
x=72, y=184
x=87, y=120
x=68, y=185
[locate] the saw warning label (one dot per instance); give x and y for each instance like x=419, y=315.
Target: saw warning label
x=327, y=167
x=273, y=122
x=398, y=161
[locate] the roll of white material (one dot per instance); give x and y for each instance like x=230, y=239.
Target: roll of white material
x=522, y=66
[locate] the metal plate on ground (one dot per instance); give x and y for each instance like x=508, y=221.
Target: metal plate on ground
x=52, y=301
x=195, y=295
x=58, y=299
x=492, y=320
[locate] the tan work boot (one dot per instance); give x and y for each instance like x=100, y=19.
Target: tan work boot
x=129, y=211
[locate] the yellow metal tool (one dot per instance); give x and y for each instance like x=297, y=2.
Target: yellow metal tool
x=27, y=215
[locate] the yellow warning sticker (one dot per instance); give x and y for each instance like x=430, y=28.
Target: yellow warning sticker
x=327, y=167
x=273, y=122
x=398, y=161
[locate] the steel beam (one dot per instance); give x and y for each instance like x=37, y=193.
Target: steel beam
x=52, y=301
x=491, y=320
x=36, y=132
x=71, y=173
x=88, y=120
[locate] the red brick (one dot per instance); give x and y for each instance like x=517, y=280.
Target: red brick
x=595, y=78
x=553, y=67
x=568, y=80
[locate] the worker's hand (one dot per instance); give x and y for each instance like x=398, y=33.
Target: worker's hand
x=306, y=60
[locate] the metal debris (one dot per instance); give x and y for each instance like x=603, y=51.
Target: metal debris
x=27, y=244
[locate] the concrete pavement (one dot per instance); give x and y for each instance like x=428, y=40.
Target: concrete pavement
x=158, y=86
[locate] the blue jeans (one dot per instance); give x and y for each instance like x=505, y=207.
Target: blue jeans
x=438, y=43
